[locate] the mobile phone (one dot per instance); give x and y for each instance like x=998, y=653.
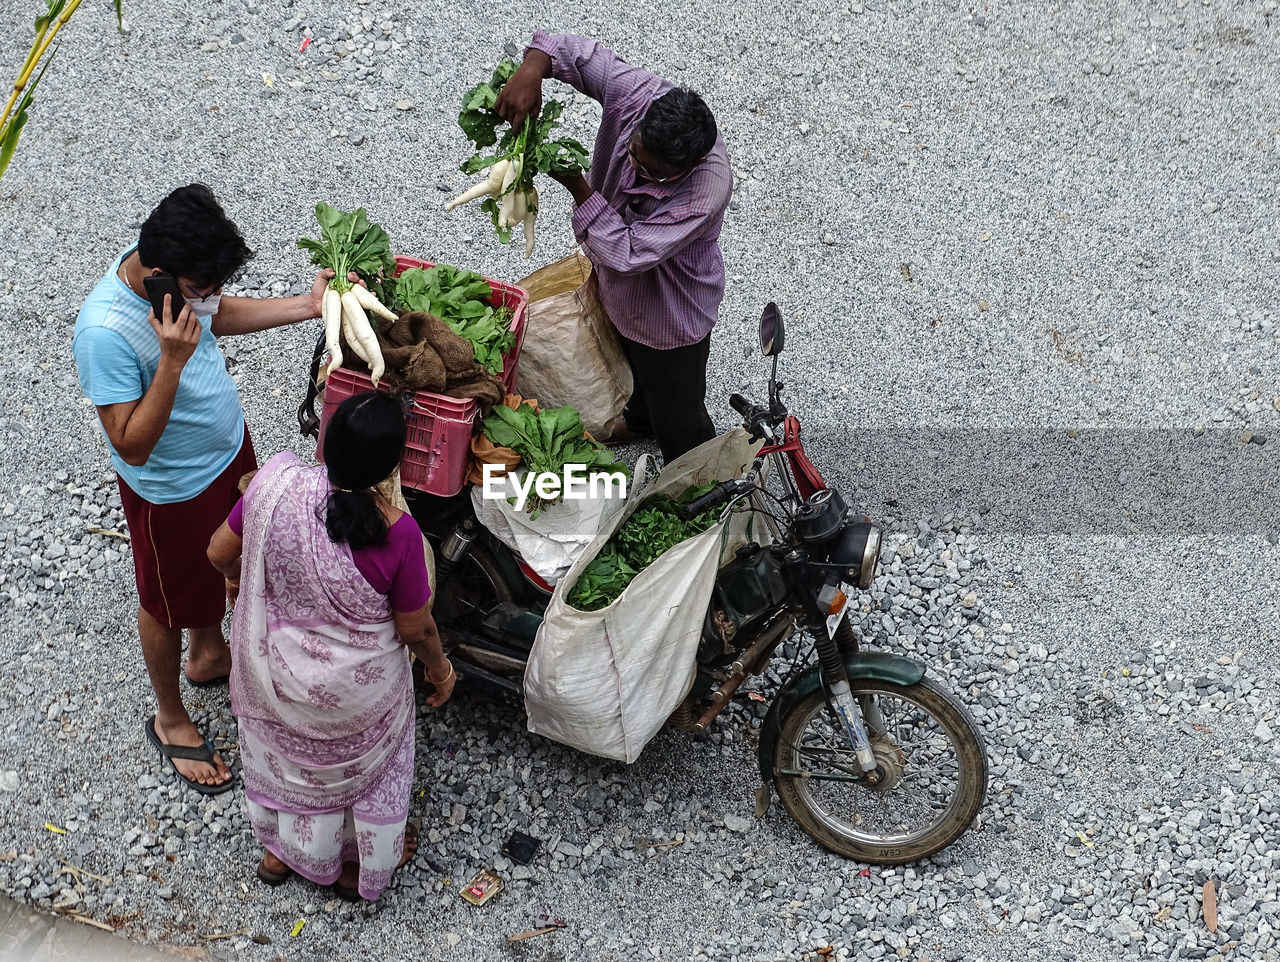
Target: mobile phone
x=158, y=285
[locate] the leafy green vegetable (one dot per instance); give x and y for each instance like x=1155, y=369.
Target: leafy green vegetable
x=653, y=528
x=461, y=299
x=538, y=153
x=604, y=578
x=351, y=242
x=478, y=119
x=547, y=440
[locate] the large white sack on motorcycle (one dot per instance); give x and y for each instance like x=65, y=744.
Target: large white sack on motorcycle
x=571, y=353
x=606, y=681
x=557, y=537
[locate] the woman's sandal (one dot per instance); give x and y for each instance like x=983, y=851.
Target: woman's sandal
x=273, y=878
x=411, y=830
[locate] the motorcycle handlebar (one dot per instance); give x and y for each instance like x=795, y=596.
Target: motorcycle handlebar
x=712, y=499
x=754, y=417
x=721, y=493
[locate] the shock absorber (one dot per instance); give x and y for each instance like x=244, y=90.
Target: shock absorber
x=454, y=549
x=834, y=676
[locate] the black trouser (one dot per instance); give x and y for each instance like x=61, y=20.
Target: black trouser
x=670, y=396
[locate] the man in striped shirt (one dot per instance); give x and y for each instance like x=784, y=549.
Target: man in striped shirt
x=648, y=214
x=178, y=441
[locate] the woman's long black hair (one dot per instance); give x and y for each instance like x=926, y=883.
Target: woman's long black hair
x=363, y=443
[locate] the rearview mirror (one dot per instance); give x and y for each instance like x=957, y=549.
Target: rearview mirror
x=772, y=336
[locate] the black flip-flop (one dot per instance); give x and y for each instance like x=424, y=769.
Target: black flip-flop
x=208, y=683
x=204, y=753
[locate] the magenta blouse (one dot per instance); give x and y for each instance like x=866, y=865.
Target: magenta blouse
x=395, y=568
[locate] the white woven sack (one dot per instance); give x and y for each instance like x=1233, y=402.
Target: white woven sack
x=557, y=537
x=606, y=681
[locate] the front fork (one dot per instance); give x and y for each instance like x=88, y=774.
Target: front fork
x=854, y=717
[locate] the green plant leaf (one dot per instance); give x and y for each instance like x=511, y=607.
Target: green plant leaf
x=351, y=242
x=12, y=129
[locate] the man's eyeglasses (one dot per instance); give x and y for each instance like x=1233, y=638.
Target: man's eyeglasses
x=193, y=293
x=642, y=170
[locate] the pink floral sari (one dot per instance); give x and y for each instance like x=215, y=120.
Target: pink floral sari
x=321, y=688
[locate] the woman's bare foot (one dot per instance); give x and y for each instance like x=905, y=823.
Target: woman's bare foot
x=346, y=886
x=410, y=844
x=273, y=871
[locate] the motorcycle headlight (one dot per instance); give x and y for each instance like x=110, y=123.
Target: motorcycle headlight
x=858, y=549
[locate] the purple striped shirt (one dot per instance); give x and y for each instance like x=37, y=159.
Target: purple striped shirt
x=655, y=247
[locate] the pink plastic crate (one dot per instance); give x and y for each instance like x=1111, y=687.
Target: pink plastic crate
x=438, y=442
x=438, y=439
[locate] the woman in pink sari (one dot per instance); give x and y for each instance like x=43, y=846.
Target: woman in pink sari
x=330, y=590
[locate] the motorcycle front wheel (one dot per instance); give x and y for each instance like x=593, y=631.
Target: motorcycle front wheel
x=931, y=762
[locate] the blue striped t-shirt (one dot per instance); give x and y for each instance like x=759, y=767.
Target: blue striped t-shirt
x=117, y=353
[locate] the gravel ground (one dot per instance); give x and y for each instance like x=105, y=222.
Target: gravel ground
x=1007, y=220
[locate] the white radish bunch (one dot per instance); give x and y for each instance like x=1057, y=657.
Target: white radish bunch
x=345, y=312
x=491, y=186
x=516, y=205
x=351, y=245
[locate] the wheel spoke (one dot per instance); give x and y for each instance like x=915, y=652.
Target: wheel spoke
x=921, y=771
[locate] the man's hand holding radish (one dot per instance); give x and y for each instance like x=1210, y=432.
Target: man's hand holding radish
x=521, y=96
x=321, y=284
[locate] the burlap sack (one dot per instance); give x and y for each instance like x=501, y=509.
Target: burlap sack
x=571, y=353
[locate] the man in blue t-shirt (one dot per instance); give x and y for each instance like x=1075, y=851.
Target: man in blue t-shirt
x=178, y=441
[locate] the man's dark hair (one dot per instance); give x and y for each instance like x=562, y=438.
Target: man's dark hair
x=190, y=235
x=678, y=129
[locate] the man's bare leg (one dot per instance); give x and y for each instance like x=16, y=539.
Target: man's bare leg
x=208, y=655
x=162, y=651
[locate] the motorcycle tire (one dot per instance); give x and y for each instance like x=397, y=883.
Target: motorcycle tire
x=933, y=764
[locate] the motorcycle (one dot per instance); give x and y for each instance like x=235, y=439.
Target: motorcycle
x=870, y=756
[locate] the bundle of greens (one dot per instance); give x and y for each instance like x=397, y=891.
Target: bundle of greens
x=461, y=299
x=654, y=528
x=510, y=197
x=547, y=440
x=602, y=580
x=350, y=242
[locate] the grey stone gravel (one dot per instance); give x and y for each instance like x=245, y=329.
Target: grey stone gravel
x=1085, y=204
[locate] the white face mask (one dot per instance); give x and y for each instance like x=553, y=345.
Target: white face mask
x=205, y=306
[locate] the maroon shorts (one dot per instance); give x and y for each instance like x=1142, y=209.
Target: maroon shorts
x=176, y=584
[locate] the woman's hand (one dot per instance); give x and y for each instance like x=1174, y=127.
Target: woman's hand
x=443, y=678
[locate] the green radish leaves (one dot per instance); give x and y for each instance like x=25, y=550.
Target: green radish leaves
x=478, y=119
x=351, y=242
x=12, y=128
